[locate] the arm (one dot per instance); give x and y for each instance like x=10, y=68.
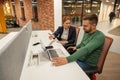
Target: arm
x=80, y=52
x=57, y=32
x=91, y=46
x=51, y=36
x=87, y=49
x=72, y=34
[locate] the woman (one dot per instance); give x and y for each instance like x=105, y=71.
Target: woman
x=66, y=34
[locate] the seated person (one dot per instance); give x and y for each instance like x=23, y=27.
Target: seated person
x=88, y=51
x=66, y=34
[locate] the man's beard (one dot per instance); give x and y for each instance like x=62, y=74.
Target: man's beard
x=88, y=31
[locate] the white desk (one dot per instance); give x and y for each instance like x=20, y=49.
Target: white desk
x=45, y=70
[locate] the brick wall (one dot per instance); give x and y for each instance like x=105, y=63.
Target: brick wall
x=45, y=10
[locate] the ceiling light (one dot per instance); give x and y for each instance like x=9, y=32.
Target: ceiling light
x=79, y=1
x=88, y=11
x=95, y=2
x=94, y=5
x=88, y=0
x=69, y=1
x=112, y=2
x=107, y=1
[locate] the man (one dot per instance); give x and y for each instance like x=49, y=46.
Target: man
x=111, y=15
x=88, y=51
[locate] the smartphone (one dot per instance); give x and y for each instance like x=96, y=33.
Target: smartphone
x=36, y=43
x=49, y=47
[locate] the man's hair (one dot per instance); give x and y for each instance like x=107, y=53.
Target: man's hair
x=65, y=18
x=92, y=18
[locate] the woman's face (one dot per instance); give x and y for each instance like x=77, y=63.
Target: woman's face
x=66, y=24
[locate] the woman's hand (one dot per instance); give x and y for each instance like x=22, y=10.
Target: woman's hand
x=51, y=36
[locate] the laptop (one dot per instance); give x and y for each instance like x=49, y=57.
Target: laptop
x=49, y=50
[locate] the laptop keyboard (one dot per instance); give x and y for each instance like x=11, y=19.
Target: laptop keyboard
x=53, y=53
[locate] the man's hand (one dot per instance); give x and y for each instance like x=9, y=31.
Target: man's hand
x=72, y=47
x=58, y=61
x=51, y=36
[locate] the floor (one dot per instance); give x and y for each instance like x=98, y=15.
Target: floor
x=111, y=69
x=106, y=27
x=8, y=31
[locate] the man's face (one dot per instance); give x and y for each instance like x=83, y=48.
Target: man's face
x=87, y=27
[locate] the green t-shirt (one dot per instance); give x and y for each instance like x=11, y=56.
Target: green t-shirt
x=89, y=49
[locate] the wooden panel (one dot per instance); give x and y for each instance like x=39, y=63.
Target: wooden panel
x=2, y=21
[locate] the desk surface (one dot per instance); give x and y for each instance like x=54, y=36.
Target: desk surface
x=44, y=70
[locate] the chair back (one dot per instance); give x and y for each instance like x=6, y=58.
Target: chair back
x=77, y=33
x=107, y=44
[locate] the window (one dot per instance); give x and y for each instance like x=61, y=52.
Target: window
x=13, y=6
x=76, y=9
x=34, y=10
x=22, y=10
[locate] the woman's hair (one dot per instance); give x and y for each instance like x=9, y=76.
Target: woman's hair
x=65, y=18
x=92, y=18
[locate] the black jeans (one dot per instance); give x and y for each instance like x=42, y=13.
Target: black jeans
x=111, y=18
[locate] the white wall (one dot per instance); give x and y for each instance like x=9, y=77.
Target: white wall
x=57, y=13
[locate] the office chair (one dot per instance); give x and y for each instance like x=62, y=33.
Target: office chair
x=91, y=72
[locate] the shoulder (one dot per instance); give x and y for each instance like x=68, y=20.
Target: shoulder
x=72, y=27
x=100, y=34
x=60, y=27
